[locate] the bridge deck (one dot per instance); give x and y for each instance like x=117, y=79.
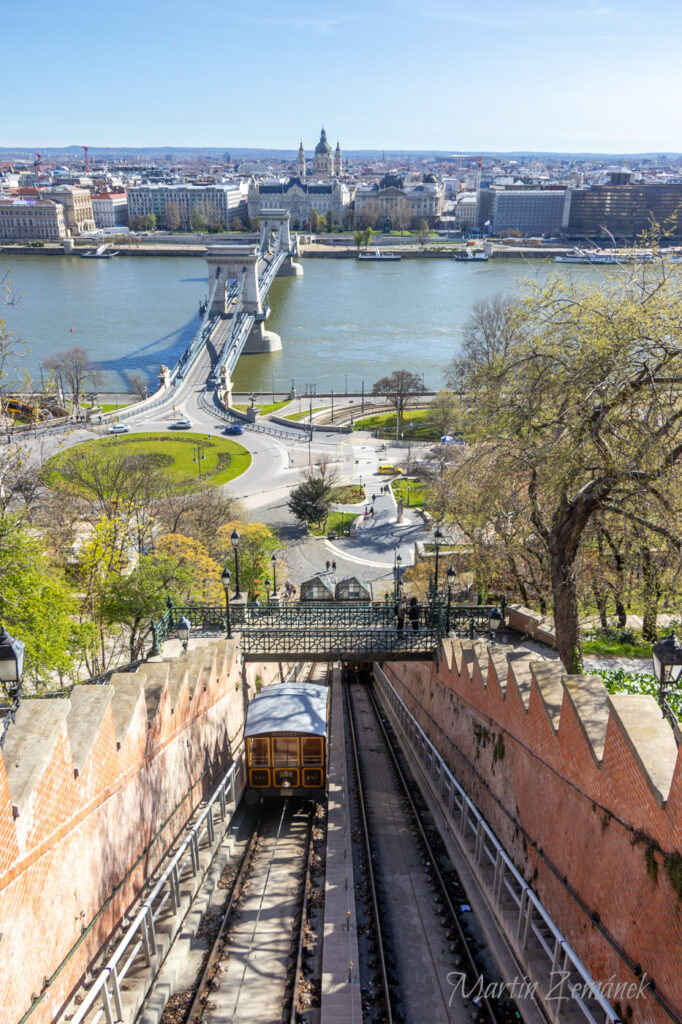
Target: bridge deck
x=334, y=644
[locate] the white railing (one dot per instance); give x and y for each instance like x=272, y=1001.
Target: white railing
x=141, y=936
x=568, y=977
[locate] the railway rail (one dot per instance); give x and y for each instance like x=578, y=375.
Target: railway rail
x=421, y=954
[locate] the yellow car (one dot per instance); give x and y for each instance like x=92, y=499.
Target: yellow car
x=387, y=470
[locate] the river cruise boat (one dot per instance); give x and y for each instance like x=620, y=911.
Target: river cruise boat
x=377, y=254
x=586, y=256
x=469, y=256
x=102, y=252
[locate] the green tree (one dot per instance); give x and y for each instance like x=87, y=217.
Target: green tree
x=321, y=223
x=358, y=238
x=39, y=607
x=575, y=388
x=236, y=224
x=399, y=389
x=309, y=502
x=367, y=236
x=422, y=232
x=134, y=599
x=314, y=220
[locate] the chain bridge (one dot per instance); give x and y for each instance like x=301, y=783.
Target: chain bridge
x=310, y=631
x=239, y=278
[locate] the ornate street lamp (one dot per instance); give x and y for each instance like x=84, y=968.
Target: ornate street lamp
x=11, y=661
x=667, y=658
x=183, y=628
x=235, y=538
x=451, y=576
x=495, y=619
x=397, y=562
x=225, y=580
x=274, y=574
x=437, y=540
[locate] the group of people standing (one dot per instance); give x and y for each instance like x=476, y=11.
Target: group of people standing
x=407, y=608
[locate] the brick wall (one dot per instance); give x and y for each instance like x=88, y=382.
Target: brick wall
x=585, y=793
x=86, y=788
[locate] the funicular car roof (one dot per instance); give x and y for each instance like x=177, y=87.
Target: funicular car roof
x=288, y=707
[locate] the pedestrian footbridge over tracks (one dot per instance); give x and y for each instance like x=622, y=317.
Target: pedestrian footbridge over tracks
x=307, y=631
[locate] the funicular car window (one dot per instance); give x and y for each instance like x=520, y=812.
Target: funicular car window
x=311, y=750
x=285, y=750
x=259, y=754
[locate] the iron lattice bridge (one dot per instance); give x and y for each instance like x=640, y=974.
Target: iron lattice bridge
x=326, y=630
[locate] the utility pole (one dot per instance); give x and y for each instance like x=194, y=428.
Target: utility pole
x=362, y=408
x=332, y=405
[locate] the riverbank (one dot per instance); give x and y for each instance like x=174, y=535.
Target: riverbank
x=314, y=251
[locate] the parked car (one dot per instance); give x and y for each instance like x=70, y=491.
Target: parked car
x=181, y=425
x=118, y=428
x=234, y=428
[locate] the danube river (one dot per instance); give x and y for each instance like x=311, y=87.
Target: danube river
x=344, y=322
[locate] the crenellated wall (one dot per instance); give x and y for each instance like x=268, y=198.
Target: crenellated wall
x=585, y=792
x=93, y=791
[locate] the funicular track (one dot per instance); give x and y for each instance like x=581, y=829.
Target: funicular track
x=418, y=951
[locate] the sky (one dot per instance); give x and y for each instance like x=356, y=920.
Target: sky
x=447, y=75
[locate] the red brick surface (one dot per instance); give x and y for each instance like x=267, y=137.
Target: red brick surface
x=86, y=843
x=562, y=815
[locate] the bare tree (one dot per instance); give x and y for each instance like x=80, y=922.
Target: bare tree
x=399, y=389
x=73, y=366
x=139, y=384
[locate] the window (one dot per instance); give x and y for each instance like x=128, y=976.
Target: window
x=311, y=750
x=259, y=753
x=285, y=750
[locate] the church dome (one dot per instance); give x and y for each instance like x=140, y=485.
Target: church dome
x=323, y=146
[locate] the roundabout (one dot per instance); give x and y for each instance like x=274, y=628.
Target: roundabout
x=206, y=460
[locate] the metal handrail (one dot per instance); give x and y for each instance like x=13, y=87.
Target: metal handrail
x=144, y=922
x=466, y=818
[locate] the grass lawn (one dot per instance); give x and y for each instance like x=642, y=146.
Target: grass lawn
x=336, y=522
x=418, y=492
x=424, y=428
x=223, y=459
x=112, y=407
x=348, y=494
x=263, y=410
x=303, y=415
x=616, y=650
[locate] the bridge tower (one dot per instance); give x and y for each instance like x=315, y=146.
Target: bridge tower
x=229, y=263
x=277, y=221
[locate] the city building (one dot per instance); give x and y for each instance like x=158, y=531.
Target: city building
x=530, y=211
x=622, y=210
x=186, y=206
x=398, y=204
x=110, y=209
x=323, y=161
x=77, y=206
x=300, y=197
x=32, y=219
x=465, y=211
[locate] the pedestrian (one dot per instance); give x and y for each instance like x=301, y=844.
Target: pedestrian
x=371, y=511
x=333, y=566
x=414, y=613
x=328, y=565
x=399, y=610
x=374, y=498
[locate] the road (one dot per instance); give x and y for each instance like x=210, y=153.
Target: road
x=279, y=459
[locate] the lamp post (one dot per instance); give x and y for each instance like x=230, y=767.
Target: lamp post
x=225, y=579
x=397, y=562
x=667, y=658
x=234, y=538
x=494, y=620
x=437, y=540
x=11, y=662
x=183, y=628
x=451, y=576
x=274, y=574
